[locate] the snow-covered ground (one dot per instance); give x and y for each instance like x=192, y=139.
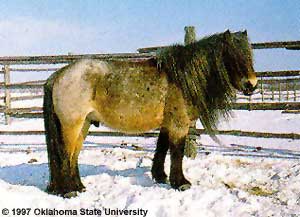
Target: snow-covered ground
x=245, y=177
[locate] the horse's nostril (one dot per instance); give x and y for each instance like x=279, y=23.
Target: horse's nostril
x=249, y=88
x=248, y=85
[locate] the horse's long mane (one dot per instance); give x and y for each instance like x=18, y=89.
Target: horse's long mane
x=199, y=70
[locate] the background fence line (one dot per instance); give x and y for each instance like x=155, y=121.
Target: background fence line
x=196, y=132
x=289, y=45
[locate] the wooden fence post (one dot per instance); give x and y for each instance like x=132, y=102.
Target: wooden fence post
x=279, y=90
x=190, y=35
x=190, y=147
x=261, y=88
x=295, y=91
x=272, y=89
x=287, y=90
x=249, y=102
x=7, y=100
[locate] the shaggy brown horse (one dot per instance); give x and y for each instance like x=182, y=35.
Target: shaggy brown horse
x=180, y=85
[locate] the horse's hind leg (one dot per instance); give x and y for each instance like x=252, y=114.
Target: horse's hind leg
x=64, y=177
x=162, y=147
x=76, y=152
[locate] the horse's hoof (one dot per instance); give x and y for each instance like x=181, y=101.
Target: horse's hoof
x=181, y=184
x=74, y=193
x=184, y=187
x=82, y=190
x=160, y=178
x=65, y=192
x=70, y=194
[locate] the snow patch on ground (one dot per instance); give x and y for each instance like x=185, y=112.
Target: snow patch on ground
x=121, y=178
x=248, y=177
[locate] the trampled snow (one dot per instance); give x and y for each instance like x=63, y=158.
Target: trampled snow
x=246, y=177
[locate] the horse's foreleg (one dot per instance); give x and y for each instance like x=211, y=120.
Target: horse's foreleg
x=177, y=121
x=177, y=179
x=162, y=147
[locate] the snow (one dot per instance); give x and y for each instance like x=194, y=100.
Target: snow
x=120, y=178
x=238, y=179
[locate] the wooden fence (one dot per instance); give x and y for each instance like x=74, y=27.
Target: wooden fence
x=277, y=90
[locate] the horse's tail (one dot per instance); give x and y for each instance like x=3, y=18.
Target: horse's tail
x=53, y=132
x=64, y=176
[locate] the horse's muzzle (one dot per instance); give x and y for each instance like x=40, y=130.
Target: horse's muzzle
x=249, y=89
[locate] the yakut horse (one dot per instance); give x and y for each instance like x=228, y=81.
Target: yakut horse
x=180, y=85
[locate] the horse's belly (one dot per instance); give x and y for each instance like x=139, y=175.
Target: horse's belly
x=133, y=105
x=132, y=119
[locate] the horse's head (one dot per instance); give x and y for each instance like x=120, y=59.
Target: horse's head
x=238, y=61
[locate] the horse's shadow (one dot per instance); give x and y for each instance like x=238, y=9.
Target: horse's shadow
x=38, y=175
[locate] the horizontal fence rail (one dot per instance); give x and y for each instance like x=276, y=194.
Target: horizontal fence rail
x=59, y=59
x=143, y=53
x=196, y=132
x=290, y=45
x=37, y=112
x=278, y=73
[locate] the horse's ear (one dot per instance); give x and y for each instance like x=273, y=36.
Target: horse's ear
x=245, y=32
x=227, y=35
